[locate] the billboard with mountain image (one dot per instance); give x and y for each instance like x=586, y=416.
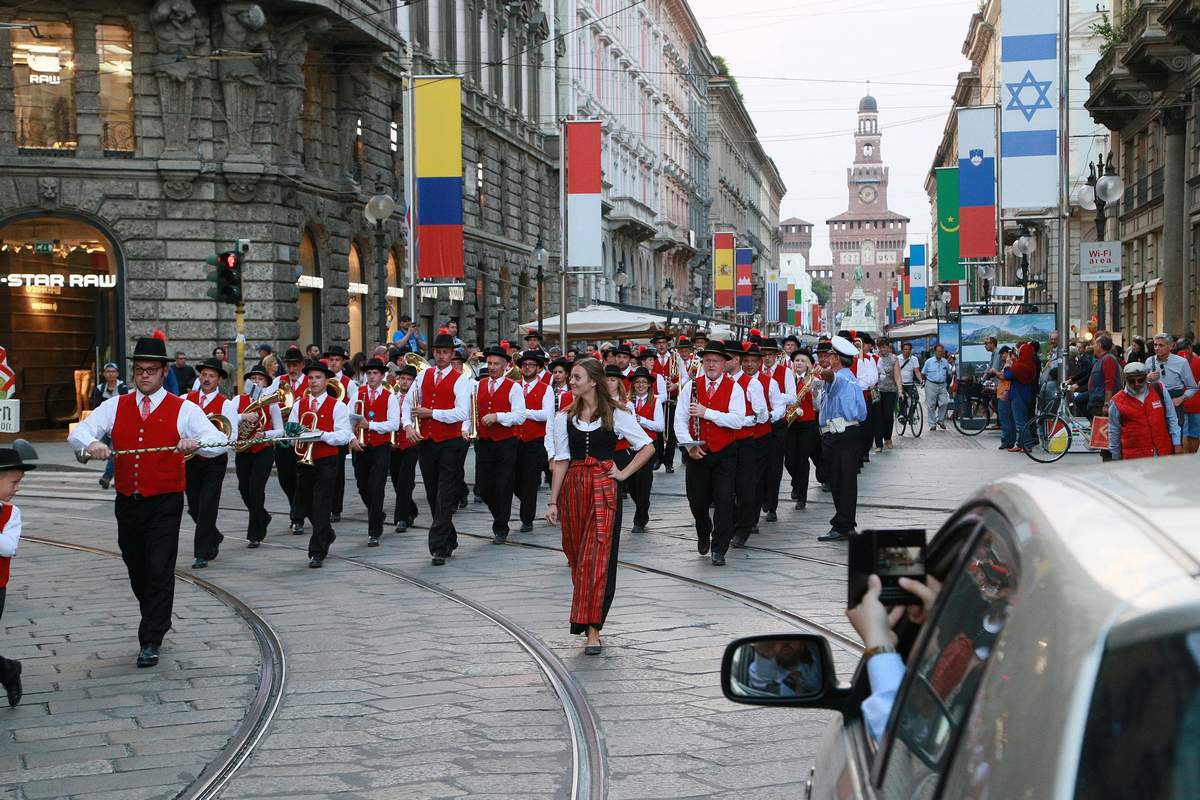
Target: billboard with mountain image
x=1008, y=329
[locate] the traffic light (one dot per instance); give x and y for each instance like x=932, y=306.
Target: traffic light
x=227, y=277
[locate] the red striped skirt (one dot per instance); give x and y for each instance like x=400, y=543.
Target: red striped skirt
x=590, y=514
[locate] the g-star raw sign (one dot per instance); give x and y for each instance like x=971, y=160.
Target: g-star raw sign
x=15, y=280
x=1100, y=261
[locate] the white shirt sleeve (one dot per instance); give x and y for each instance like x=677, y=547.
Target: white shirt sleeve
x=660, y=386
x=194, y=424
x=516, y=401
x=628, y=429
x=682, y=434
x=779, y=400
x=789, y=385
x=758, y=403
x=462, y=402
x=868, y=373
x=276, y=422
x=342, y=433
x=392, y=423
x=735, y=419
x=659, y=423
x=98, y=424
x=11, y=535
x=562, y=450
x=351, y=392
x=406, y=417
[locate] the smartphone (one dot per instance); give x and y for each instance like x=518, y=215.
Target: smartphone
x=891, y=554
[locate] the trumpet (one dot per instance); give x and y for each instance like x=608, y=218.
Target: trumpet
x=359, y=410
x=473, y=434
x=305, y=449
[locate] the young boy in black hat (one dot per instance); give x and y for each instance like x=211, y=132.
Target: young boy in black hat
x=12, y=470
x=253, y=465
x=206, y=473
x=377, y=419
x=403, y=467
x=285, y=457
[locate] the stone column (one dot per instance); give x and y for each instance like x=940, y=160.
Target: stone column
x=88, y=125
x=8, y=118
x=1174, y=230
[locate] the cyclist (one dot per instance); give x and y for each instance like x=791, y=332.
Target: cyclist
x=910, y=377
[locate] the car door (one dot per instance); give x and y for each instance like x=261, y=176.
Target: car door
x=947, y=663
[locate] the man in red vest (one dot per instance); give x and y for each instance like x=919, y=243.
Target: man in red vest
x=752, y=452
x=206, y=473
x=647, y=408
x=531, y=452
x=779, y=383
x=253, y=465
x=1142, y=422
x=404, y=459
x=336, y=357
x=434, y=413
x=499, y=412
x=663, y=358
x=315, y=482
x=149, y=501
x=12, y=472
x=285, y=457
x=716, y=411
x=375, y=416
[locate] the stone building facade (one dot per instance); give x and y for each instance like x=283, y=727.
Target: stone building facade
x=795, y=236
x=130, y=151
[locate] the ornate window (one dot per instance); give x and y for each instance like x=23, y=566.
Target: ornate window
x=114, y=52
x=449, y=33
x=356, y=302
x=43, y=65
x=310, y=285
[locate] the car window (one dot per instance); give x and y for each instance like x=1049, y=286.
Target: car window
x=1143, y=731
x=947, y=666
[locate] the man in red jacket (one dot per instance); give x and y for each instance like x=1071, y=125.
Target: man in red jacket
x=1141, y=418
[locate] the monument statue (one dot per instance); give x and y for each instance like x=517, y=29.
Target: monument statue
x=179, y=35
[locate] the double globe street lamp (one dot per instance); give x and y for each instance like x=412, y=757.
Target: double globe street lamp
x=1104, y=187
x=377, y=211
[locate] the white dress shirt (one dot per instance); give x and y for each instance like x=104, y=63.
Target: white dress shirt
x=658, y=423
x=789, y=384
x=624, y=424
x=867, y=374
x=191, y=423
x=392, y=423
x=516, y=401
x=462, y=397
x=779, y=400
x=11, y=535
x=734, y=419
x=758, y=400
x=342, y=433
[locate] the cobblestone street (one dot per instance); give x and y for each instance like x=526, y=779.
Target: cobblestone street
x=399, y=679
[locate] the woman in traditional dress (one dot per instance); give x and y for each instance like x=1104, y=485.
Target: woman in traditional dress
x=586, y=483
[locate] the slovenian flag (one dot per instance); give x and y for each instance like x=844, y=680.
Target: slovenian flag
x=583, y=193
x=723, y=270
x=744, y=260
x=437, y=136
x=977, y=182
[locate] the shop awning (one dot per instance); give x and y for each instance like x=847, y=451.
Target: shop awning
x=606, y=322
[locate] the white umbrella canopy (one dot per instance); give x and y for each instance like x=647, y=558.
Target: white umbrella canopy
x=600, y=322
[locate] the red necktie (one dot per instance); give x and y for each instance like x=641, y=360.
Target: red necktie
x=145, y=406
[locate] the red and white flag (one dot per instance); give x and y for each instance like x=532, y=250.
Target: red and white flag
x=8, y=378
x=583, y=189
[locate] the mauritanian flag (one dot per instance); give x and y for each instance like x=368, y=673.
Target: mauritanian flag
x=722, y=270
x=977, y=182
x=950, y=266
x=583, y=193
x=744, y=275
x=437, y=137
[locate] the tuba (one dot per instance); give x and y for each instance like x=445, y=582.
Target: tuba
x=305, y=449
x=277, y=397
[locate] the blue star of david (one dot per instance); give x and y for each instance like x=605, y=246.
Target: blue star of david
x=1029, y=82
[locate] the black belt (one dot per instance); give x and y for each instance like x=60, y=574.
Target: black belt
x=939, y=383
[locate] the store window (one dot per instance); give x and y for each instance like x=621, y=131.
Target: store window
x=357, y=302
x=310, y=284
x=44, y=87
x=394, y=293
x=114, y=49
x=62, y=318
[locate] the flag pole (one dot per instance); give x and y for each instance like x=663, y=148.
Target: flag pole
x=410, y=195
x=562, y=235
x=1064, y=167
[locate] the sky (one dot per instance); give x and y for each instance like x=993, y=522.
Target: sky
x=803, y=66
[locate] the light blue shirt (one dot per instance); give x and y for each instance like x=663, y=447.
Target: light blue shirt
x=843, y=399
x=885, y=672
x=936, y=370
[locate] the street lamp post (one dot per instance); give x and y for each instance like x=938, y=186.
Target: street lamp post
x=1104, y=187
x=621, y=279
x=668, y=298
x=1024, y=247
x=377, y=210
x=539, y=258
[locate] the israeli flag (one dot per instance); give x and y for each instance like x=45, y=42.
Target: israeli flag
x=1029, y=104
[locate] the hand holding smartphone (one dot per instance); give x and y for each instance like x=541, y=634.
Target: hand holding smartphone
x=891, y=554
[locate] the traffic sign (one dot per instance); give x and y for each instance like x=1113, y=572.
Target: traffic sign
x=10, y=416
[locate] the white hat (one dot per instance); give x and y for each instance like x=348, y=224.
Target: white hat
x=1135, y=368
x=844, y=347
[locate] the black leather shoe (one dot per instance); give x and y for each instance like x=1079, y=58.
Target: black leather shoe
x=670, y=470
x=104, y=484
x=200, y=563
x=10, y=679
x=315, y=562
x=754, y=531
x=401, y=526
x=772, y=516
x=702, y=542
x=296, y=528
x=591, y=650
x=253, y=545
x=526, y=527
x=439, y=559
x=148, y=657
x=718, y=559
x=833, y=536
x=499, y=538
x=638, y=529
x=335, y=518
x=795, y=494
x=801, y=505
x=738, y=542
x=373, y=541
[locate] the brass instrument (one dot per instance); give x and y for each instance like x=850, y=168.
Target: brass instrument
x=473, y=434
x=415, y=361
x=222, y=424
x=334, y=387
x=793, y=409
x=277, y=397
x=513, y=373
x=287, y=398
x=305, y=449
x=420, y=365
x=360, y=434
x=693, y=422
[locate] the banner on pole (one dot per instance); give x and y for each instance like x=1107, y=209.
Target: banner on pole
x=744, y=261
x=722, y=250
x=437, y=137
x=772, y=297
x=977, y=181
x=583, y=190
x=918, y=276
x=791, y=304
x=950, y=266
x=1029, y=104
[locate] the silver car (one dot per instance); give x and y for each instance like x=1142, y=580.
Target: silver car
x=1062, y=659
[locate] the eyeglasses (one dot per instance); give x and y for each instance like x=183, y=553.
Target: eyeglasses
x=147, y=370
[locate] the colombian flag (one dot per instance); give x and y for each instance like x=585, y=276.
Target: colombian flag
x=437, y=137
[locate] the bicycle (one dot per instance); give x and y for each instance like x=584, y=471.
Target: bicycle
x=973, y=406
x=1048, y=437
x=910, y=414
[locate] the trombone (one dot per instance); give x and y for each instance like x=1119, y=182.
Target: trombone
x=305, y=449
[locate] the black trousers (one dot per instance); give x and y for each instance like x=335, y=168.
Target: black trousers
x=803, y=445
x=531, y=464
x=371, y=468
x=773, y=466
x=885, y=417
x=639, y=485
x=710, y=480
x=840, y=455
x=253, y=472
x=747, y=484
x=6, y=664
x=442, y=468
x=865, y=431
x=667, y=440
x=205, y=477
x=339, y=486
x=404, y=479
x=496, y=477
x=285, y=470
x=148, y=537
x=314, y=494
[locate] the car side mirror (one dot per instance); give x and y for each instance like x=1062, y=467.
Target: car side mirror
x=783, y=669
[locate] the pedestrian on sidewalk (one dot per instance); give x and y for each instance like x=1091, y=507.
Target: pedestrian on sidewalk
x=112, y=386
x=586, y=479
x=12, y=470
x=937, y=373
x=1142, y=422
x=889, y=391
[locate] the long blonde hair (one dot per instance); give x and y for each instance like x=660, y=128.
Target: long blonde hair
x=604, y=403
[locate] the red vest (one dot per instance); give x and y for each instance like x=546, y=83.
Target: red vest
x=779, y=374
x=1144, y=429
x=808, y=411
x=380, y=410
x=264, y=423
x=1192, y=404
x=715, y=437
x=324, y=423
x=747, y=431
x=345, y=379
x=299, y=386
x=5, y=516
x=215, y=406
x=563, y=401
x=646, y=412
x=535, y=395
x=763, y=428
x=402, y=442
x=488, y=403
x=442, y=398
x=148, y=474
x=545, y=377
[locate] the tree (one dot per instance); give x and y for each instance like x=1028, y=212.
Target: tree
x=822, y=290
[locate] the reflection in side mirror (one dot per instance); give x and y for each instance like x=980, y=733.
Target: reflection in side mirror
x=781, y=669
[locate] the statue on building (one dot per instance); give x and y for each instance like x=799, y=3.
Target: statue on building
x=179, y=35
x=291, y=53
x=244, y=35
x=353, y=87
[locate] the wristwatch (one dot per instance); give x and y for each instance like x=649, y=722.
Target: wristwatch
x=871, y=652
